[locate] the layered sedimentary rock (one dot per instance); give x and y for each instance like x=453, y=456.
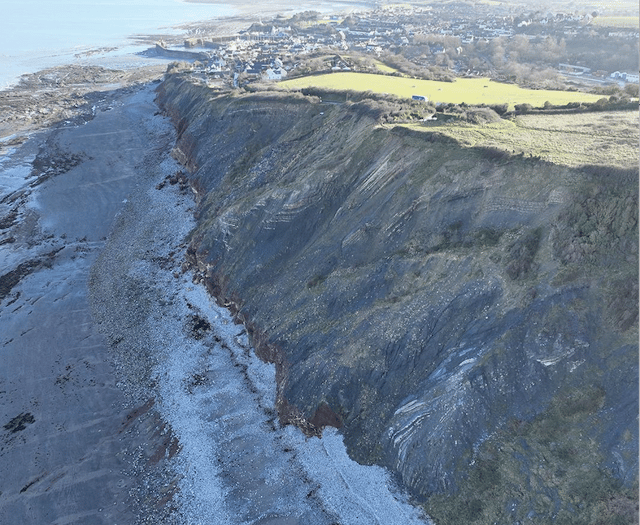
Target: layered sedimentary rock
x=458, y=313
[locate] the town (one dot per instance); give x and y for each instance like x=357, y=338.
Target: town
x=541, y=49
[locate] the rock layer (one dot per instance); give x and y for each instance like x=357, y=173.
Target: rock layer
x=427, y=299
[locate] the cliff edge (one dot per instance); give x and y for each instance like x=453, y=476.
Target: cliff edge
x=466, y=317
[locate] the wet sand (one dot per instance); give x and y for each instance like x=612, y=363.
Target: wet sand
x=72, y=444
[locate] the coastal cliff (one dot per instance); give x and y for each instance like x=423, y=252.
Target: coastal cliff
x=465, y=317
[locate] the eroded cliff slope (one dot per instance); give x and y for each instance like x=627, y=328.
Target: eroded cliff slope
x=467, y=318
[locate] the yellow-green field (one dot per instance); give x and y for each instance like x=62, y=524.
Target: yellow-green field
x=472, y=91
x=380, y=66
x=384, y=67
x=629, y=22
x=601, y=138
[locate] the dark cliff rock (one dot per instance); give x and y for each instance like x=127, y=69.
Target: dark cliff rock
x=460, y=314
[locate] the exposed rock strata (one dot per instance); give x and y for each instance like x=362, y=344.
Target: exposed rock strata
x=426, y=298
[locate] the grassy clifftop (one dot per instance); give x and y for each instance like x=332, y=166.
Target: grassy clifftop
x=473, y=91
x=466, y=316
x=607, y=139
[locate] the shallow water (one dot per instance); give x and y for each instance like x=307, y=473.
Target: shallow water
x=35, y=34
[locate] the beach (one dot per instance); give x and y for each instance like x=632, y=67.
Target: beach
x=64, y=461
x=127, y=395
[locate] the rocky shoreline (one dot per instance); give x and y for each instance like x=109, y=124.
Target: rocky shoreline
x=129, y=395
x=96, y=305
x=406, y=286
x=79, y=435
x=66, y=95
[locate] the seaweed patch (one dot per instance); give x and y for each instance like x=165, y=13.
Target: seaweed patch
x=20, y=422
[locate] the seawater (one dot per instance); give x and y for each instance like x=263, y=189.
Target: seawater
x=35, y=34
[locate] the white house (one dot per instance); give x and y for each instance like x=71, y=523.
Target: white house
x=274, y=74
x=627, y=77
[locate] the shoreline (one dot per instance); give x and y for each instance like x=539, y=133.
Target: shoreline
x=153, y=384
x=64, y=96
x=130, y=48
x=85, y=418
x=66, y=422
x=127, y=394
x=66, y=92
x=226, y=457
x=63, y=35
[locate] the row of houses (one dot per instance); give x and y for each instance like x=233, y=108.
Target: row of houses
x=272, y=50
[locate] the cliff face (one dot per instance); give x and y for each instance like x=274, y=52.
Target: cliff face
x=462, y=315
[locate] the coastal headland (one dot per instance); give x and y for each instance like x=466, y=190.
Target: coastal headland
x=450, y=308
x=128, y=395
x=80, y=443
x=205, y=287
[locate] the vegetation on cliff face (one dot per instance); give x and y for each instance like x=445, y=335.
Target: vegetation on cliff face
x=534, y=472
x=466, y=316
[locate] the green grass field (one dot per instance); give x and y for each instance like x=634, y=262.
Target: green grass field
x=626, y=22
x=601, y=138
x=473, y=91
x=384, y=68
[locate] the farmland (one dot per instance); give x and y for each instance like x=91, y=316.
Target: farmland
x=627, y=22
x=473, y=91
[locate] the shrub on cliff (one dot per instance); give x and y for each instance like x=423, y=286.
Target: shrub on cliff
x=522, y=253
x=480, y=115
x=500, y=109
x=178, y=67
x=523, y=109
